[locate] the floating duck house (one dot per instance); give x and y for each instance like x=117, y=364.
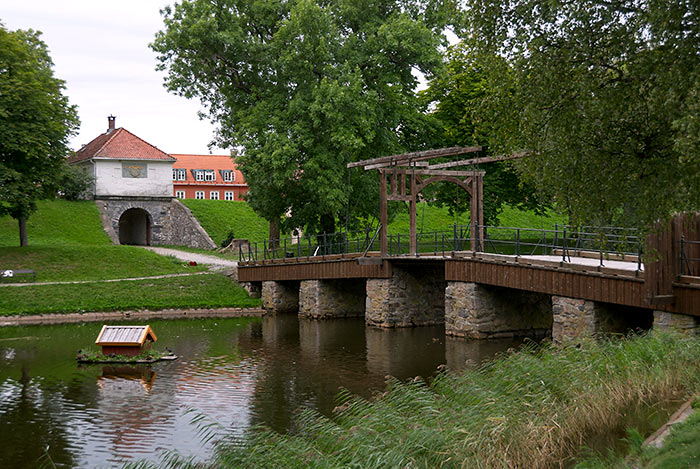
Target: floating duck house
x=125, y=340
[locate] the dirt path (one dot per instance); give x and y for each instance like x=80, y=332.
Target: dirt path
x=204, y=259
x=100, y=281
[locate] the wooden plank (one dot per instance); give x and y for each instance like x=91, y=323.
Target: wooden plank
x=483, y=159
x=416, y=156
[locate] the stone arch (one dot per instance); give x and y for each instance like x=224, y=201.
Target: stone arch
x=135, y=227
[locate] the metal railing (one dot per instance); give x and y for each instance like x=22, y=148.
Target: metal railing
x=563, y=241
x=690, y=265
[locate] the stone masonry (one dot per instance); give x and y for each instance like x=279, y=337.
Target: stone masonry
x=280, y=297
x=406, y=300
x=171, y=222
x=326, y=299
x=675, y=322
x=483, y=312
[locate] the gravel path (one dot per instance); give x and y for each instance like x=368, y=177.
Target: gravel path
x=217, y=262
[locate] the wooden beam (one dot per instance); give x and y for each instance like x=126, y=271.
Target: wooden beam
x=415, y=156
x=429, y=172
x=485, y=159
x=403, y=164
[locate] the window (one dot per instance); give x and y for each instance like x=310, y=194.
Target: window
x=214, y=195
x=134, y=170
x=199, y=194
x=228, y=195
x=198, y=175
x=228, y=175
x=180, y=194
x=179, y=174
x=174, y=174
x=209, y=175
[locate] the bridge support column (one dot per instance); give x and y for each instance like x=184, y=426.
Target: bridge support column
x=405, y=299
x=254, y=289
x=682, y=323
x=325, y=299
x=280, y=297
x=485, y=312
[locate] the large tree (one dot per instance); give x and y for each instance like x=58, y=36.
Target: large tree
x=304, y=87
x=36, y=121
x=455, y=99
x=607, y=94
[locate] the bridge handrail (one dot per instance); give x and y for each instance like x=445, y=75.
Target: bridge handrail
x=562, y=240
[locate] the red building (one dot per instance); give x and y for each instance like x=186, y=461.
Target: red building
x=213, y=177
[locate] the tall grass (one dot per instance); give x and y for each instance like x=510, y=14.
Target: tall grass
x=533, y=408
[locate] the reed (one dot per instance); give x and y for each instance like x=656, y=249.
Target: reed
x=531, y=408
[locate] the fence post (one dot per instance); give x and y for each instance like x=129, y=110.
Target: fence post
x=308, y=253
x=556, y=238
x=435, y=243
x=683, y=256
x=517, y=243
x=563, y=247
x=284, y=254
x=264, y=249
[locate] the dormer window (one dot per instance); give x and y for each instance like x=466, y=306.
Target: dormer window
x=227, y=175
x=198, y=174
x=209, y=175
x=179, y=174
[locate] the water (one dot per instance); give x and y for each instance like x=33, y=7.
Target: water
x=231, y=374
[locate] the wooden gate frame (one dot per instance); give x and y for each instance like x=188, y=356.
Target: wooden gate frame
x=415, y=168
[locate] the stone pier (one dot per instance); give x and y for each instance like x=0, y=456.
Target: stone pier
x=575, y=318
x=280, y=297
x=408, y=298
x=682, y=323
x=327, y=299
x=484, y=312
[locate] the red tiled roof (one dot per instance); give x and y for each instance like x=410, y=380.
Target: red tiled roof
x=215, y=162
x=119, y=144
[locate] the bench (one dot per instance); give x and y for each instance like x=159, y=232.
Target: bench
x=17, y=273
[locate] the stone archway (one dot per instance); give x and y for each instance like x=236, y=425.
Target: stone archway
x=135, y=227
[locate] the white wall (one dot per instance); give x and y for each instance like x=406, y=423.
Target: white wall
x=109, y=180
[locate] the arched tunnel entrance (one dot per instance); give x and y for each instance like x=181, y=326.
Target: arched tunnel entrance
x=135, y=227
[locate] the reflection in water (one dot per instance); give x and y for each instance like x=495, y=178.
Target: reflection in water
x=236, y=372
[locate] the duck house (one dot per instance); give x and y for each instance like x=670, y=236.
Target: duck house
x=125, y=340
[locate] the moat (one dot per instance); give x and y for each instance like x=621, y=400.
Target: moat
x=235, y=372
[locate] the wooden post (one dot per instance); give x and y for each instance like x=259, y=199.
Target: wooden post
x=383, y=217
x=413, y=242
x=476, y=215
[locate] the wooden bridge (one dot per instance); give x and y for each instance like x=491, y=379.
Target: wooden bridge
x=532, y=283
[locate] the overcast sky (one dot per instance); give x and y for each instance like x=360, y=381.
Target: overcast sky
x=100, y=49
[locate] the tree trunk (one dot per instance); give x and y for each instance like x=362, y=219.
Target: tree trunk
x=274, y=233
x=23, y=231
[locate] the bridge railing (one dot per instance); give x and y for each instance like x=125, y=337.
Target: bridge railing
x=563, y=241
x=311, y=245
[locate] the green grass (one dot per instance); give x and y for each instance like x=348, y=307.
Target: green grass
x=73, y=263
x=534, y=408
x=217, y=217
x=58, y=222
x=198, y=291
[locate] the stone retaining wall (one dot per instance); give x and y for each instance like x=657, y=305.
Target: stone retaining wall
x=675, y=322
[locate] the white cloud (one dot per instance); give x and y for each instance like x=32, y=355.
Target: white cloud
x=101, y=51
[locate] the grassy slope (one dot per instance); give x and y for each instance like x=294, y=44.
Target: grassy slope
x=217, y=217
x=201, y=291
x=58, y=222
x=67, y=243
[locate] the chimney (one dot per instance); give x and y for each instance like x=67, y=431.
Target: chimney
x=110, y=122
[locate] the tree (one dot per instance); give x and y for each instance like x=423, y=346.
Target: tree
x=36, y=121
x=455, y=99
x=305, y=87
x=606, y=94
